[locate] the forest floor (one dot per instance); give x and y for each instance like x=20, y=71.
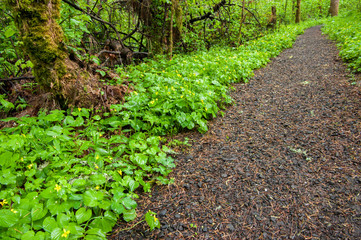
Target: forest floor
x=283, y=162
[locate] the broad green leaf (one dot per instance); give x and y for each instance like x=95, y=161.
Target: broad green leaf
x=129, y=215
x=62, y=219
x=7, y=177
x=91, y=198
x=129, y=203
x=56, y=234
x=105, y=224
x=30, y=235
x=98, y=179
x=38, y=212
x=10, y=31
x=49, y=224
x=83, y=215
x=139, y=159
x=7, y=218
x=152, y=220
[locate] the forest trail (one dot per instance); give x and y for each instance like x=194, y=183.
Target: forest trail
x=283, y=162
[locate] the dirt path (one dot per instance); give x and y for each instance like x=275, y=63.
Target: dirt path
x=283, y=163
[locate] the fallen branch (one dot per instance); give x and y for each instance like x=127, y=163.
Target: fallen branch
x=16, y=78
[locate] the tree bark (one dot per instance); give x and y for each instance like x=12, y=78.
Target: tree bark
x=334, y=7
x=298, y=11
x=240, y=25
x=43, y=43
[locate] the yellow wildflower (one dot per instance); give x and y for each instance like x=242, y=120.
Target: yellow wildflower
x=135, y=93
x=97, y=187
x=22, y=159
x=79, y=109
x=97, y=157
x=168, y=93
x=3, y=202
x=152, y=102
x=66, y=233
x=96, y=166
x=156, y=93
x=206, y=109
x=30, y=166
x=155, y=218
x=120, y=172
x=179, y=75
x=100, y=134
x=182, y=96
x=202, y=101
x=13, y=210
x=57, y=187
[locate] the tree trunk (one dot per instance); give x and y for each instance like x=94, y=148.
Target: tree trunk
x=240, y=25
x=43, y=42
x=298, y=11
x=334, y=7
x=170, y=49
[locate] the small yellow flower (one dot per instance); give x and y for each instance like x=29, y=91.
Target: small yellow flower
x=156, y=93
x=97, y=187
x=66, y=233
x=173, y=89
x=120, y=172
x=166, y=87
x=96, y=166
x=3, y=202
x=23, y=135
x=182, y=96
x=179, y=75
x=13, y=210
x=168, y=93
x=30, y=166
x=79, y=109
x=206, y=109
x=155, y=218
x=100, y=134
x=202, y=101
x=22, y=159
x=57, y=187
x=152, y=102
x=97, y=157
x=135, y=93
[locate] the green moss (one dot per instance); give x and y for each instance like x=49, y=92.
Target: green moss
x=42, y=39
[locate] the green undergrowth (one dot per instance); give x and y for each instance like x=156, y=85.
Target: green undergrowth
x=346, y=29
x=74, y=174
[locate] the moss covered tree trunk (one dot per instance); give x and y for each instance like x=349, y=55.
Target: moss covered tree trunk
x=43, y=42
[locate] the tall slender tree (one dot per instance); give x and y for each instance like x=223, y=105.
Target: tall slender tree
x=334, y=7
x=298, y=11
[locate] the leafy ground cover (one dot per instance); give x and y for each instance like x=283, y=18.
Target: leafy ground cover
x=346, y=29
x=74, y=174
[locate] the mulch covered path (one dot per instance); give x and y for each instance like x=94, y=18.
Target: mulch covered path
x=283, y=162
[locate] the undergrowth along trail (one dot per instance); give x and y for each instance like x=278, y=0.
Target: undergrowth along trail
x=74, y=174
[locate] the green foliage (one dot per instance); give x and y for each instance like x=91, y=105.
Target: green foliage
x=73, y=174
x=347, y=31
x=69, y=172
x=190, y=89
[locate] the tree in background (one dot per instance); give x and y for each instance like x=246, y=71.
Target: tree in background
x=298, y=11
x=334, y=7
